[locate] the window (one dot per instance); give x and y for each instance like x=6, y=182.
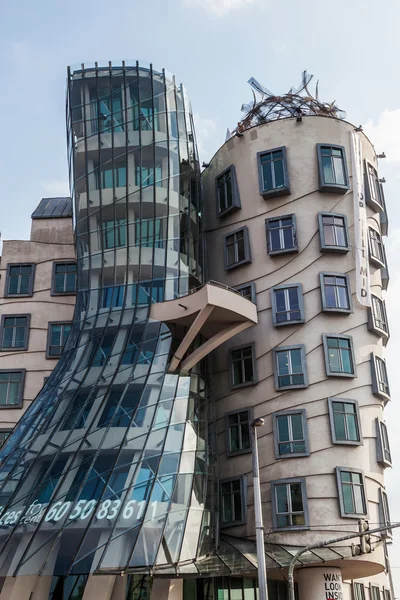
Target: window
x=78, y=410
x=233, y=501
x=101, y=349
x=237, y=427
x=281, y=235
x=380, y=380
x=290, y=367
x=247, y=290
x=102, y=479
x=148, y=175
x=228, y=199
x=113, y=176
x=273, y=175
x=383, y=454
x=384, y=513
x=374, y=592
x=345, y=421
x=358, y=591
x=243, y=366
x=333, y=232
x=114, y=234
x=290, y=434
x=237, y=248
x=4, y=435
x=373, y=188
x=376, y=249
x=148, y=233
x=47, y=481
x=64, y=278
x=335, y=293
x=11, y=388
x=113, y=296
x=56, y=337
x=19, y=280
x=332, y=169
x=386, y=594
x=377, y=317
x=351, y=486
x=14, y=332
x=287, y=304
x=289, y=504
x=119, y=411
x=339, y=356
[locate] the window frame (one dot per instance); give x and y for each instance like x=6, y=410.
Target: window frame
x=243, y=497
x=330, y=373
x=53, y=291
x=26, y=334
x=247, y=249
x=285, y=286
x=376, y=204
x=275, y=192
x=230, y=452
x=325, y=308
x=21, y=389
x=375, y=380
x=333, y=188
x=237, y=386
x=343, y=514
x=384, y=513
x=380, y=444
x=236, y=204
x=373, y=259
x=372, y=326
x=303, y=413
x=5, y=430
x=295, y=248
x=48, y=341
x=331, y=401
x=31, y=279
x=251, y=285
x=356, y=596
x=296, y=386
x=324, y=247
x=273, y=484
x=371, y=594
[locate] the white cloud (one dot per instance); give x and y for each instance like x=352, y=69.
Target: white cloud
x=385, y=134
x=220, y=7
x=207, y=143
x=55, y=188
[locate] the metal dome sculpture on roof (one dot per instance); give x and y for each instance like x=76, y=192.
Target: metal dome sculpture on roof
x=266, y=106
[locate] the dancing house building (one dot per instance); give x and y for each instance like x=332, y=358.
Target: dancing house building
x=130, y=474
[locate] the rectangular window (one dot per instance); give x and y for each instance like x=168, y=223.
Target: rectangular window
x=289, y=504
x=148, y=232
x=243, y=366
x=273, y=174
x=384, y=513
x=113, y=176
x=373, y=188
x=11, y=388
x=387, y=595
x=233, y=503
x=287, y=304
x=374, y=592
x=281, y=235
x=228, y=199
x=345, y=421
x=290, y=367
x=19, y=280
x=290, y=434
x=237, y=248
x=376, y=249
x=101, y=349
x=383, y=454
x=14, y=332
x=4, y=435
x=64, y=278
x=333, y=232
x=377, y=318
x=247, y=290
x=335, y=292
x=238, y=431
x=351, y=486
x=114, y=234
x=56, y=337
x=332, y=169
x=380, y=380
x=339, y=355
x=148, y=175
x=113, y=296
x=358, y=591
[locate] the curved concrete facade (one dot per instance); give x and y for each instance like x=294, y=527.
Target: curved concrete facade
x=304, y=266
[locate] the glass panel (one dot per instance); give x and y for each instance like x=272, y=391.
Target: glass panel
x=275, y=239
x=297, y=427
x=267, y=176
x=327, y=170
x=279, y=174
x=296, y=497
x=347, y=498
x=359, y=499
x=283, y=429
x=288, y=237
x=339, y=170
x=281, y=498
x=296, y=361
x=340, y=429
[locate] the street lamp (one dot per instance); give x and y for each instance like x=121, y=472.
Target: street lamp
x=262, y=574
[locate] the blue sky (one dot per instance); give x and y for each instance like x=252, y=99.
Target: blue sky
x=214, y=47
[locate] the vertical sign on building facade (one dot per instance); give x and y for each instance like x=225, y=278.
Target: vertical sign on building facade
x=363, y=291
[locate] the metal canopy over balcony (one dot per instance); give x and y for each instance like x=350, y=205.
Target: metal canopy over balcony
x=215, y=312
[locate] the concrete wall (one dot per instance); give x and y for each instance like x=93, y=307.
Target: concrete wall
x=304, y=267
x=51, y=240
